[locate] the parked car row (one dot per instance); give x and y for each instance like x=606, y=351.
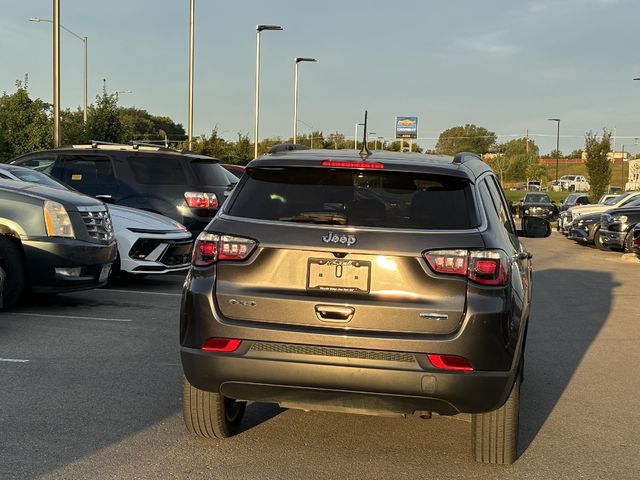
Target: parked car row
x=611, y=224
x=133, y=201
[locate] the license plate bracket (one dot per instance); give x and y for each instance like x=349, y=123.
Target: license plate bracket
x=338, y=275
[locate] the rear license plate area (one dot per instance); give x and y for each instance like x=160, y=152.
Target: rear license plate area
x=339, y=276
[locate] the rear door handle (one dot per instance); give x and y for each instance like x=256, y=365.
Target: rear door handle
x=334, y=313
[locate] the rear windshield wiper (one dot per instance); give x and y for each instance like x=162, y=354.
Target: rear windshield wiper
x=328, y=218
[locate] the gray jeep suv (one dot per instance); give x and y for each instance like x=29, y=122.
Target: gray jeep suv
x=390, y=283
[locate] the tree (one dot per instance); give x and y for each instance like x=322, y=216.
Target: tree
x=576, y=154
x=139, y=124
x=72, y=127
x=25, y=124
x=554, y=154
x=518, y=146
x=103, y=122
x=336, y=141
x=521, y=166
x=598, y=165
x=467, y=138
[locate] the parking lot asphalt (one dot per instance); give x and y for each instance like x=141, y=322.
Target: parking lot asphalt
x=91, y=389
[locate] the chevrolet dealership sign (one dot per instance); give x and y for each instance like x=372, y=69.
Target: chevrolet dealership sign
x=406, y=127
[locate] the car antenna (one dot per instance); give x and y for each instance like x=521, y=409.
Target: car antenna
x=365, y=152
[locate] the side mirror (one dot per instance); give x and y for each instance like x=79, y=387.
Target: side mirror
x=535, y=227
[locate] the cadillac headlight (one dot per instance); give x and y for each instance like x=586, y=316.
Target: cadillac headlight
x=57, y=221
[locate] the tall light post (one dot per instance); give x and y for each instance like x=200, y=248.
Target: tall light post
x=355, y=135
x=311, y=130
x=296, y=62
x=557, y=120
x=84, y=41
x=192, y=8
x=259, y=29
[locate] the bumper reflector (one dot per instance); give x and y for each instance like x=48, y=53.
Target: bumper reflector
x=450, y=362
x=220, y=345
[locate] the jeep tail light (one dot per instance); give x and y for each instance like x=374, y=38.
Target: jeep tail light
x=201, y=200
x=448, y=261
x=450, y=362
x=220, y=345
x=486, y=267
x=348, y=164
x=212, y=247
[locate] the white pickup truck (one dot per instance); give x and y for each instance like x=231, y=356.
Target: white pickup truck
x=574, y=183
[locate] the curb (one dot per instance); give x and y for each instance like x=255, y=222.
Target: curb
x=630, y=258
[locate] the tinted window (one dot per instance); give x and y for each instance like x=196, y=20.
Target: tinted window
x=537, y=198
x=210, y=173
x=347, y=197
x=80, y=170
x=42, y=163
x=504, y=212
x=158, y=170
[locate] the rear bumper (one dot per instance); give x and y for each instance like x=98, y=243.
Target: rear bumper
x=43, y=256
x=296, y=381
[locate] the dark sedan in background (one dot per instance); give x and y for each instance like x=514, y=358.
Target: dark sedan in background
x=538, y=205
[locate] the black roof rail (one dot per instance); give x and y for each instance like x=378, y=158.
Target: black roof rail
x=462, y=157
x=287, y=147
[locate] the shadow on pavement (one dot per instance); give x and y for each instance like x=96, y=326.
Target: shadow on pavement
x=568, y=311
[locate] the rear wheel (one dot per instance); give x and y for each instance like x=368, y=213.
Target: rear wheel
x=12, y=272
x=495, y=434
x=597, y=240
x=208, y=414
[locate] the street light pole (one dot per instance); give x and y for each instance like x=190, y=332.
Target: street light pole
x=191, y=55
x=296, y=61
x=557, y=120
x=56, y=73
x=84, y=41
x=259, y=28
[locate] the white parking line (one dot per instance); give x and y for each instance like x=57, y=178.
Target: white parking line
x=138, y=292
x=13, y=360
x=27, y=314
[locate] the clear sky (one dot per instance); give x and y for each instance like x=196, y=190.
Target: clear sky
x=502, y=64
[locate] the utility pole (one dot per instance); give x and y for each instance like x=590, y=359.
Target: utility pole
x=56, y=73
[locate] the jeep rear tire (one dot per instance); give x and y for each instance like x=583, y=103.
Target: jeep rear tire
x=12, y=272
x=495, y=434
x=208, y=414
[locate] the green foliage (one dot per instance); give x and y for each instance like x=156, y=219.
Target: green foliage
x=576, y=154
x=521, y=166
x=518, y=146
x=25, y=124
x=467, y=138
x=139, y=124
x=553, y=154
x=103, y=120
x=72, y=128
x=598, y=165
x=395, y=146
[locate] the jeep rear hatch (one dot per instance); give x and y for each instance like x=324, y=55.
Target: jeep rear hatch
x=345, y=248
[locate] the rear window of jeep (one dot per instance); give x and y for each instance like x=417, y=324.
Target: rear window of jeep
x=398, y=200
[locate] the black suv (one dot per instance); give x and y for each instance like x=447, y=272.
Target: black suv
x=51, y=241
x=188, y=188
x=392, y=283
